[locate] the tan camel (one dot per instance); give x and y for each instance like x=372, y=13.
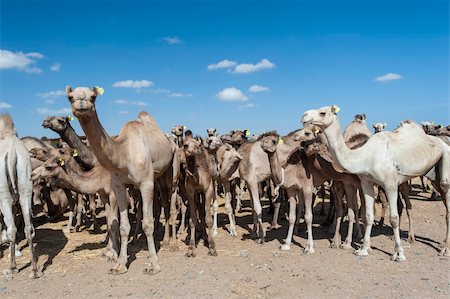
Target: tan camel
x=61, y=125
x=199, y=181
x=15, y=185
x=138, y=156
x=379, y=127
x=443, y=131
x=385, y=159
x=211, y=132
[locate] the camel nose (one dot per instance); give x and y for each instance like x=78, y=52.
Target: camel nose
x=307, y=117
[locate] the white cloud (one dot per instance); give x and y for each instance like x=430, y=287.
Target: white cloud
x=231, y=94
x=56, y=67
x=51, y=94
x=131, y=103
x=157, y=91
x=172, y=40
x=258, y=88
x=20, y=61
x=388, y=77
x=222, y=64
x=123, y=112
x=133, y=84
x=247, y=106
x=4, y=105
x=180, y=95
x=246, y=68
x=47, y=111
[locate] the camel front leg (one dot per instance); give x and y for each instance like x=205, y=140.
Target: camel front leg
x=209, y=197
x=215, y=207
x=80, y=205
x=112, y=222
x=229, y=208
x=124, y=227
x=338, y=194
x=257, y=210
x=307, y=197
x=193, y=207
x=292, y=219
x=350, y=194
x=392, y=196
x=404, y=191
x=367, y=188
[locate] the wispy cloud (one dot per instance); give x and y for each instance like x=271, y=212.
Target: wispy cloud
x=222, y=64
x=4, y=105
x=130, y=103
x=56, y=67
x=133, y=84
x=21, y=61
x=258, y=88
x=180, y=95
x=246, y=68
x=51, y=96
x=47, y=111
x=172, y=40
x=247, y=106
x=158, y=91
x=123, y=112
x=231, y=94
x=388, y=77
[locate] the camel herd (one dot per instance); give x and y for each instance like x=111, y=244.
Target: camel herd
x=181, y=176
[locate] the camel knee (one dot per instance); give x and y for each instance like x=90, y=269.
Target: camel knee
x=258, y=210
x=148, y=226
x=308, y=217
x=394, y=219
x=445, y=185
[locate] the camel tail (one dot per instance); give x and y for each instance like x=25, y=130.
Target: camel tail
x=175, y=168
x=11, y=170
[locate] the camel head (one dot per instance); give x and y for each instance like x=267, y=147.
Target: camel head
x=443, y=131
x=82, y=100
x=269, y=141
x=178, y=130
x=211, y=132
x=56, y=123
x=239, y=136
x=310, y=139
x=360, y=118
x=192, y=147
x=212, y=143
x=379, y=127
x=49, y=169
x=229, y=159
x=322, y=117
x=42, y=154
x=430, y=128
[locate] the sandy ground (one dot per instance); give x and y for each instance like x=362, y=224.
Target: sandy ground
x=73, y=266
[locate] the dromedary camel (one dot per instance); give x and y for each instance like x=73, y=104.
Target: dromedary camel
x=61, y=125
x=379, y=127
x=15, y=185
x=139, y=155
x=199, y=181
x=386, y=159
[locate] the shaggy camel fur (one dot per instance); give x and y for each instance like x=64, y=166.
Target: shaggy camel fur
x=61, y=125
x=15, y=185
x=385, y=159
x=199, y=181
x=138, y=156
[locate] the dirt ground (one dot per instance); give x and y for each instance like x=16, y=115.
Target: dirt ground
x=73, y=266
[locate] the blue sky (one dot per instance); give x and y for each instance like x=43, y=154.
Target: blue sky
x=387, y=59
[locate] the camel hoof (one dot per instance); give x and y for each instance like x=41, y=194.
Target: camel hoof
x=361, y=252
x=35, y=274
x=233, y=233
x=118, y=269
x=335, y=244
x=445, y=252
x=215, y=233
x=152, y=270
x=259, y=241
x=190, y=252
x=398, y=257
x=346, y=246
x=212, y=252
x=308, y=250
x=285, y=247
x=411, y=239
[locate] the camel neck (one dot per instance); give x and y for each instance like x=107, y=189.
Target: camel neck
x=73, y=140
x=275, y=168
x=341, y=154
x=213, y=164
x=101, y=144
x=180, y=141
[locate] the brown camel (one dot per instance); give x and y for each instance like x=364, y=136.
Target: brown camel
x=199, y=181
x=15, y=185
x=385, y=159
x=138, y=156
x=61, y=125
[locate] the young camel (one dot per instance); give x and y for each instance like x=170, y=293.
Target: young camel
x=15, y=185
x=199, y=181
x=385, y=159
x=139, y=155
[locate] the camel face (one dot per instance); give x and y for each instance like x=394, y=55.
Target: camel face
x=238, y=137
x=192, y=147
x=321, y=117
x=269, y=143
x=55, y=123
x=212, y=143
x=445, y=131
x=178, y=130
x=211, y=132
x=379, y=127
x=82, y=100
x=308, y=140
x=46, y=170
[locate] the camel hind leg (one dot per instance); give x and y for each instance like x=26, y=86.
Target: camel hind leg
x=367, y=188
x=11, y=229
x=404, y=191
x=292, y=219
x=444, y=184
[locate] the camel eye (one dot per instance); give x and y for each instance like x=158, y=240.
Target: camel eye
x=322, y=113
x=306, y=133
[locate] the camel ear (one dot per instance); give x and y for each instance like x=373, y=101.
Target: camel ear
x=335, y=109
x=68, y=89
x=61, y=162
x=373, y=125
x=384, y=125
x=438, y=126
x=98, y=90
x=364, y=116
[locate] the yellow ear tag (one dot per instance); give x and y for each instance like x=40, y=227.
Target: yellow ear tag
x=247, y=133
x=61, y=162
x=75, y=153
x=184, y=127
x=100, y=90
x=316, y=130
x=335, y=109
x=280, y=141
x=70, y=118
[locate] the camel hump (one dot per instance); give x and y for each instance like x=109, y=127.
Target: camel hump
x=146, y=118
x=6, y=125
